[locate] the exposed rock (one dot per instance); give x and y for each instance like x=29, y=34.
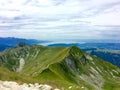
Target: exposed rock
x=71, y=64
x=89, y=57
x=10, y=85
x=22, y=62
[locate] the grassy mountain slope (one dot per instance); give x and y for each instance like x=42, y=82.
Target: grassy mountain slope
x=68, y=68
x=8, y=75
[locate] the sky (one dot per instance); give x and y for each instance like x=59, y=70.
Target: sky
x=60, y=19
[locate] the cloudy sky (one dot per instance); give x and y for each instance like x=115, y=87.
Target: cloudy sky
x=60, y=19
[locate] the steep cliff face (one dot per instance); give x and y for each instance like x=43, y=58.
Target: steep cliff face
x=65, y=68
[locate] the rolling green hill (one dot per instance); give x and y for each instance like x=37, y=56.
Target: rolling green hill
x=65, y=68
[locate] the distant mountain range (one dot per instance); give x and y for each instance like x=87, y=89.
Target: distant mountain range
x=61, y=67
x=113, y=46
x=9, y=42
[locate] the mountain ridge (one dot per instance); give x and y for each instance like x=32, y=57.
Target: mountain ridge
x=62, y=67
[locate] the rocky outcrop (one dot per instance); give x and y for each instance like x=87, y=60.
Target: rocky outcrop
x=10, y=85
x=22, y=62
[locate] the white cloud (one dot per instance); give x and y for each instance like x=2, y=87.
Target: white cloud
x=59, y=18
x=111, y=18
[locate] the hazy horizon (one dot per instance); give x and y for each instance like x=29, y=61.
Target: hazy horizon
x=60, y=20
